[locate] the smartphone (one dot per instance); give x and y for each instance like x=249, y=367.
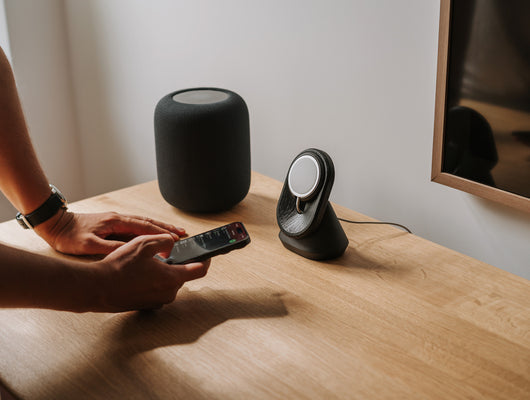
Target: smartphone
x=208, y=244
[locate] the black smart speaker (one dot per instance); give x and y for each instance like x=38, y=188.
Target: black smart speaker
x=202, y=141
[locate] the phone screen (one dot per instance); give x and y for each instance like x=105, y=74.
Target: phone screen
x=208, y=244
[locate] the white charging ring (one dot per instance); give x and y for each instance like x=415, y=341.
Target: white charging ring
x=304, y=176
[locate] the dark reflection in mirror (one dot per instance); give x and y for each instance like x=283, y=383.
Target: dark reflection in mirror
x=487, y=125
x=470, y=150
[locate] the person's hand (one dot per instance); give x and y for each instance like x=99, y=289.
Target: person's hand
x=100, y=233
x=133, y=280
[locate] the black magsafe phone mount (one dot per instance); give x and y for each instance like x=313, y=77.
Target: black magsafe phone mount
x=308, y=224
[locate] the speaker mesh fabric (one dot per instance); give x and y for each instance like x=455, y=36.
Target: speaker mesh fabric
x=203, y=152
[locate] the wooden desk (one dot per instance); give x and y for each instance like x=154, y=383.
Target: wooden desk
x=397, y=317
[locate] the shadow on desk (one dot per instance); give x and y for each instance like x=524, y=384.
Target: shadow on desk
x=192, y=315
x=245, y=212
x=120, y=357
x=366, y=254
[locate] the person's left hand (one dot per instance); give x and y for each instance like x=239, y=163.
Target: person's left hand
x=101, y=233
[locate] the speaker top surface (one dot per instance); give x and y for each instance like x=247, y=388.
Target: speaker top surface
x=304, y=176
x=200, y=96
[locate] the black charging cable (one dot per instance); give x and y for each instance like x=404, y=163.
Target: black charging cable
x=375, y=223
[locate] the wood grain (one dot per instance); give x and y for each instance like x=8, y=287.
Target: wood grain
x=395, y=317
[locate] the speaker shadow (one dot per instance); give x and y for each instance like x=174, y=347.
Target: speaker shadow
x=255, y=209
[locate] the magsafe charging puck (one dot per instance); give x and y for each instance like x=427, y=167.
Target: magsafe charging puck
x=304, y=176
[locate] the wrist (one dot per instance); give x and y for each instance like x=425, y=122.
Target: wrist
x=47, y=209
x=83, y=289
x=70, y=284
x=50, y=229
x=38, y=281
x=101, y=277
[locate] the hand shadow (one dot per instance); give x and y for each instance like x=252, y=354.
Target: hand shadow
x=107, y=365
x=188, y=318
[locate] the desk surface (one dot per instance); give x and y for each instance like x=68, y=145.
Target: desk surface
x=395, y=317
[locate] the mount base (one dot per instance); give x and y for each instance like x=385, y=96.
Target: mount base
x=327, y=242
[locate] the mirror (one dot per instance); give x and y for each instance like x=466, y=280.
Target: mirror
x=482, y=114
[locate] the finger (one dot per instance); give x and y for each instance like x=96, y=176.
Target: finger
x=121, y=226
x=150, y=245
x=168, y=227
x=124, y=225
x=189, y=272
x=165, y=254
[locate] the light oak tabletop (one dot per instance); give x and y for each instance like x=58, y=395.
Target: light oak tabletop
x=396, y=317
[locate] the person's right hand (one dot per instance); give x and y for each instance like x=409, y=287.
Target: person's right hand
x=134, y=280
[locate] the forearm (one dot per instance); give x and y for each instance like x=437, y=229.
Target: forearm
x=22, y=179
x=29, y=280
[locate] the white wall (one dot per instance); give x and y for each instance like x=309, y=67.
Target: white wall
x=4, y=35
x=6, y=210
x=354, y=78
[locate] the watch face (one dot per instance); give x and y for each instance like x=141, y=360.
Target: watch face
x=58, y=193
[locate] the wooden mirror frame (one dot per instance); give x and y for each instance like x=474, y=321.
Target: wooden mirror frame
x=444, y=178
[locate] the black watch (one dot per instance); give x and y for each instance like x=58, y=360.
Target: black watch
x=48, y=209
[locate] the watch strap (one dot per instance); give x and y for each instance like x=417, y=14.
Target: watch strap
x=48, y=209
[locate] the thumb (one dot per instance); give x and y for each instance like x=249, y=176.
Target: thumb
x=191, y=271
x=150, y=245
